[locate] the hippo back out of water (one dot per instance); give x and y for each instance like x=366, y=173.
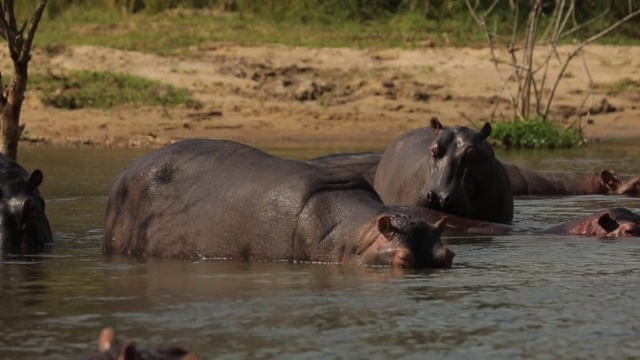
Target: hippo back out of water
x=452, y=169
x=24, y=227
x=220, y=199
x=530, y=182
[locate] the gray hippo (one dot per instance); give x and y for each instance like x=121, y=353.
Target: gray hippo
x=528, y=182
x=363, y=163
x=110, y=348
x=24, y=227
x=453, y=169
x=524, y=181
x=219, y=199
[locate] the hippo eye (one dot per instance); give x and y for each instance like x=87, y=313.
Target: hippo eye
x=470, y=153
x=434, y=150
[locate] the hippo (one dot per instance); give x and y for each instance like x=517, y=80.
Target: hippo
x=458, y=174
x=615, y=222
x=110, y=348
x=24, y=227
x=363, y=163
x=527, y=182
x=201, y=198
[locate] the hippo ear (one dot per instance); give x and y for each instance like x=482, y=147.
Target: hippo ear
x=128, y=351
x=383, y=223
x=486, y=130
x=609, y=180
x=35, y=179
x=607, y=223
x=107, y=339
x=435, y=125
x=441, y=224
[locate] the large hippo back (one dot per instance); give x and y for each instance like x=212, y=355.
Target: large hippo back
x=252, y=195
x=220, y=199
x=452, y=169
x=24, y=227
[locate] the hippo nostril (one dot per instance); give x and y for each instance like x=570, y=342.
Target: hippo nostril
x=432, y=199
x=446, y=200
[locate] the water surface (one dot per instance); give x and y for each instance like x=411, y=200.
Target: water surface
x=506, y=297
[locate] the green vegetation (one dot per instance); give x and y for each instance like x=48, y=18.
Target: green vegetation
x=151, y=25
x=535, y=134
x=619, y=87
x=88, y=89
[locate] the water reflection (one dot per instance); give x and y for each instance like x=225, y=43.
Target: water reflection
x=506, y=297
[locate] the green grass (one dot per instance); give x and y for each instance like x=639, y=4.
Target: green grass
x=535, y=134
x=620, y=87
x=103, y=90
x=182, y=31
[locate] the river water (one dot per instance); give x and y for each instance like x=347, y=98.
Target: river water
x=516, y=296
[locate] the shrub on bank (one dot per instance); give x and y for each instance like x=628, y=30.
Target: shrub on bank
x=535, y=134
x=104, y=89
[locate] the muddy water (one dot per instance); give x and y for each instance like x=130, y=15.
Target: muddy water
x=506, y=297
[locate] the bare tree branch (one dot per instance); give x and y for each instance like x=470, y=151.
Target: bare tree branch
x=19, y=45
x=579, y=49
x=35, y=20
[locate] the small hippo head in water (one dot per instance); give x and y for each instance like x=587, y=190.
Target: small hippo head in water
x=109, y=348
x=402, y=241
x=611, y=183
x=615, y=222
x=465, y=177
x=618, y=222
x=24, y=228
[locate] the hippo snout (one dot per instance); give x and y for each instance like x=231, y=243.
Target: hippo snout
x=628, y=228
x=445, y=202
x=444, y=256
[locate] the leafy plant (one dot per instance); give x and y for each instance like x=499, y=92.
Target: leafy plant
x=91, y=89
x=535, y=134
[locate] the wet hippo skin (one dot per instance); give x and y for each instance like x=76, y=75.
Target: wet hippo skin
x=528, y=182
x=615, y=222
x=609, y=223
x=452, y=169
x=24, y=227
x=523, y=181
x=219, y=199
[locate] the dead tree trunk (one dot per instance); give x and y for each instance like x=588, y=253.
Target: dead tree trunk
x=19, y=41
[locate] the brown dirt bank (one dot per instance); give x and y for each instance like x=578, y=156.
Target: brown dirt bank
x=296, y=96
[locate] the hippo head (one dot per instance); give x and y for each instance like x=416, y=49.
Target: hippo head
x=462, y=171
x=613, y=184
x=618, y=222
x=109, y=348
x=402, y=241
x=24, y=228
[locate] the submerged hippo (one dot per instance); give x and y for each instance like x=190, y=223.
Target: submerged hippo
x=110, y=348
x=616, y=222
x=220, y=199
x=452, y=169
x=547, y=183
x=24, y=228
